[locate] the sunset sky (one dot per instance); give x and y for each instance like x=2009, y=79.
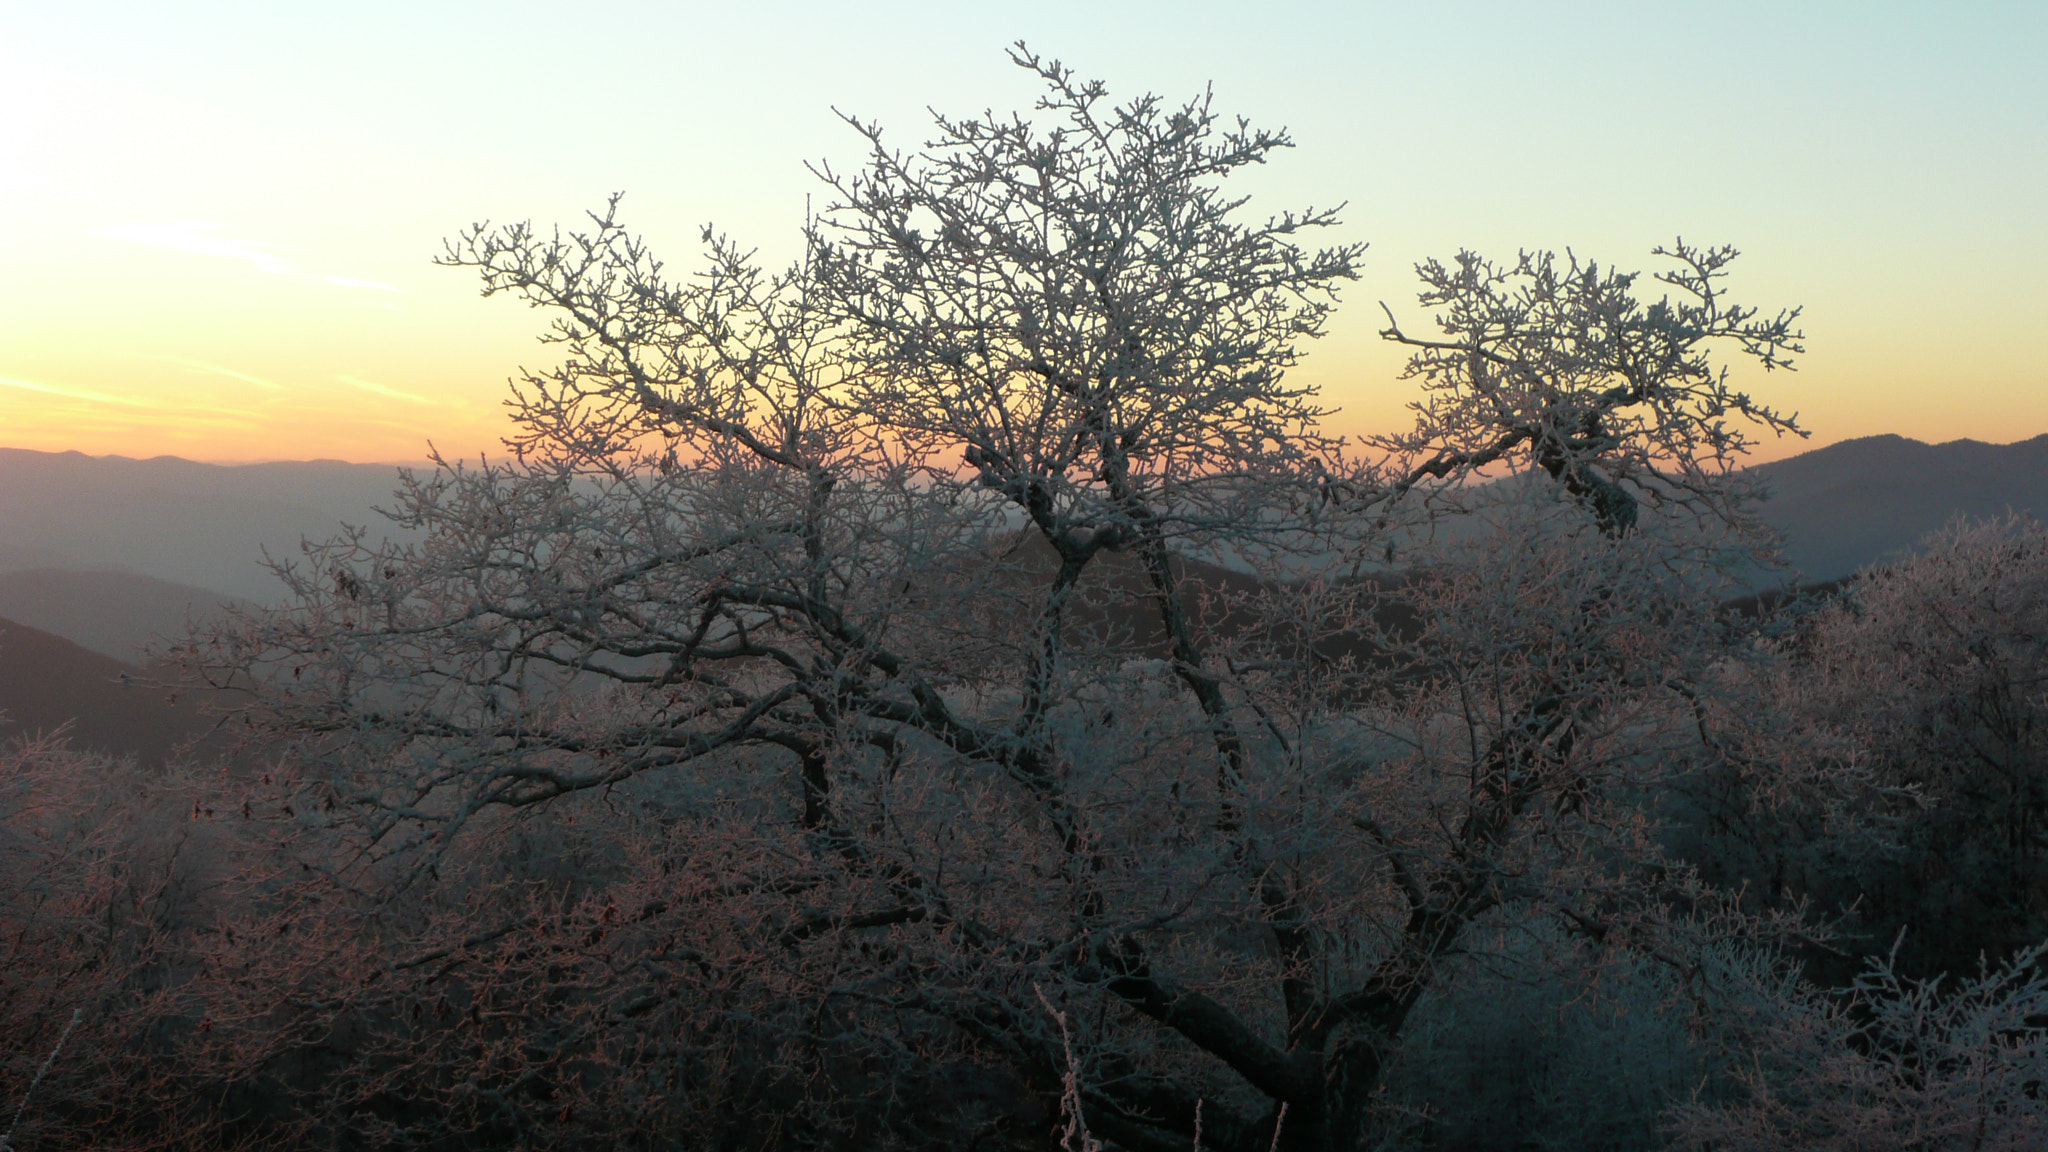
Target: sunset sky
x=217, y=220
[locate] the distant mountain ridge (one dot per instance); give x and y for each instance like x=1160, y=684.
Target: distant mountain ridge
x=107, y=550
x=201, y=525
x=1860, y=501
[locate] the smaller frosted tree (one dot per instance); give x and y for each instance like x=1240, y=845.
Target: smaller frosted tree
x=1560, y=367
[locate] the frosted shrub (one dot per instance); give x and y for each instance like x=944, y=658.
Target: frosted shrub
x=1893, y=1063
x=106, y=877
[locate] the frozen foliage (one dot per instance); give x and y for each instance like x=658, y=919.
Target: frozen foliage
x=1938, y=666
x=1892, y=769
x=1892, y=1063
x=109, y=881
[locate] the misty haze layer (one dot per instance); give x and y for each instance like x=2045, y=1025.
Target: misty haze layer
x=106, y=551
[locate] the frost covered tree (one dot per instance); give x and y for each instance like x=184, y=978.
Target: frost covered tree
x=975, y=616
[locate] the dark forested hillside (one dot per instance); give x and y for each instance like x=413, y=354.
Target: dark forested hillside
x=47, y=681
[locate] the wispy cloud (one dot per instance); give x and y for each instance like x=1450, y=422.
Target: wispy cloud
x=217, y=370
x=385, y=390
x=70, y=393
x=202, y=239
x=164, y=414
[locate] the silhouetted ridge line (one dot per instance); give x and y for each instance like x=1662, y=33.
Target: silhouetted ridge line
x=1861, y=501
